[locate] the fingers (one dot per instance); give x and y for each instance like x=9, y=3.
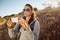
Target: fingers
x=9, y=23
x=24, y=26
x=23, y=23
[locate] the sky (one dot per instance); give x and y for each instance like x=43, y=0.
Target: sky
x=8, y=7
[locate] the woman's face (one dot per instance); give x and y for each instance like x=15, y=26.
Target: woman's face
x=27, y=11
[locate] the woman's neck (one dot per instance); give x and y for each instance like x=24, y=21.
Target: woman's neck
x=27, y=18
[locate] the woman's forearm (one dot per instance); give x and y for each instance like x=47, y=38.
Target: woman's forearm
x=11, y=33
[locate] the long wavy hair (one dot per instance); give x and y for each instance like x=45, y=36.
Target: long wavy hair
x=32, y=15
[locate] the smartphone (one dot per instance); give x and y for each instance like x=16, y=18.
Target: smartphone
x=14, y=19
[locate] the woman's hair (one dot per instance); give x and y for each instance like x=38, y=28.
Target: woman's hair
x=29, y=6
x=32, y=15
x=31, y=18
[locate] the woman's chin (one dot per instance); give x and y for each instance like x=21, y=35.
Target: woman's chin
x=27, y=15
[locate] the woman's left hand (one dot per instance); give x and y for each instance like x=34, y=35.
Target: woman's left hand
x=22, y=22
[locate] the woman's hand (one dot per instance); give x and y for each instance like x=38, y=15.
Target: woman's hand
x=22, y=22
x=9, y=23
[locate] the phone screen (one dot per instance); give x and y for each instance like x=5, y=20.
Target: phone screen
x=15, y=19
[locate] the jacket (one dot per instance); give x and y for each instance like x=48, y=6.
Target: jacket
x=25, y=34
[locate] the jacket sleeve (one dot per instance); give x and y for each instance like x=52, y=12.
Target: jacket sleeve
x=13, y=31
x=36, y=30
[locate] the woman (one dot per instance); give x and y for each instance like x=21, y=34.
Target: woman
x=27, y=28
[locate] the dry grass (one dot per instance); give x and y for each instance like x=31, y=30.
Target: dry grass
x=47, y=18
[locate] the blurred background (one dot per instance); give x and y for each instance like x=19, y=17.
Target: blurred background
x=47, y=12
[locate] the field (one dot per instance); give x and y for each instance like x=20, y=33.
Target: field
x=49, y=19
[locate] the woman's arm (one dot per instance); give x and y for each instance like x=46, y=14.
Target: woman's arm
x=36, y=30
x=13, y=31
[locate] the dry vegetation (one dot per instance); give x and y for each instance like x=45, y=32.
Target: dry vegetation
x=49, y=24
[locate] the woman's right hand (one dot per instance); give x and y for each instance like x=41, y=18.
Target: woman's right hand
x=9, y=23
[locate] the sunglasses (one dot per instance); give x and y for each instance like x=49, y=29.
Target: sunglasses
x=26, y=9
